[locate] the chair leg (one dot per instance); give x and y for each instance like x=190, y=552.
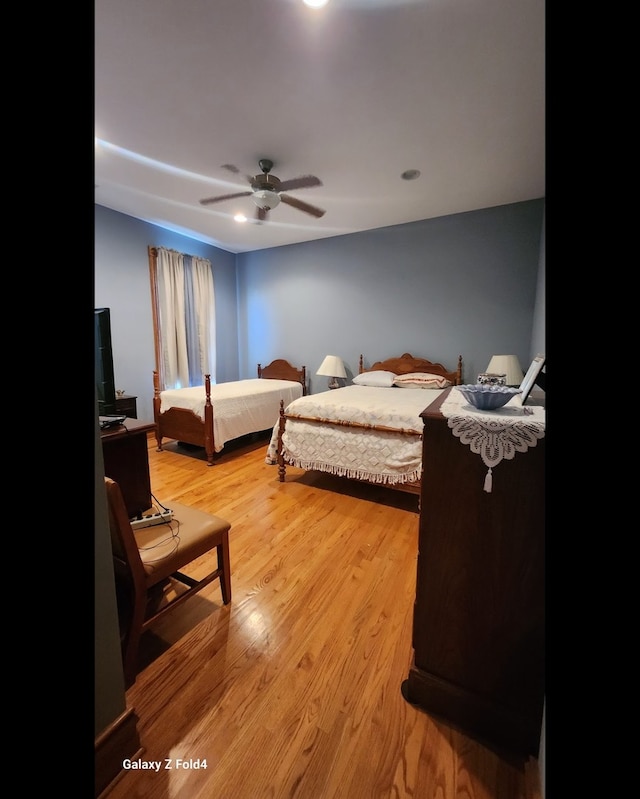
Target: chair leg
x=132, y=640
x=224, y=564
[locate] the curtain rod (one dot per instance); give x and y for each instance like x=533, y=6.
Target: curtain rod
x=154, y=251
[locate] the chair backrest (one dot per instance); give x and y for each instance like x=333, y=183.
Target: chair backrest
x=123, y=541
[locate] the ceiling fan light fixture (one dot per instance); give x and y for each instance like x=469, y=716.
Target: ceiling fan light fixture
x=266, y=199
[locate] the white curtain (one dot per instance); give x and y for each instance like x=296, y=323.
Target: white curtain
x=186, y=305
x=205, y=303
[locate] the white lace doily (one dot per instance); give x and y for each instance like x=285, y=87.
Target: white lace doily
x=494, y=435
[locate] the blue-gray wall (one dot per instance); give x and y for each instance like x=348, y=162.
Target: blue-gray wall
x=463, y=284
x=468, y=284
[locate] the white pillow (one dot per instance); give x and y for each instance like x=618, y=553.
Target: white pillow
x=421, y=380
x=380, y=379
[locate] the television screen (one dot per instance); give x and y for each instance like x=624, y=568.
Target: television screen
x=105, y=380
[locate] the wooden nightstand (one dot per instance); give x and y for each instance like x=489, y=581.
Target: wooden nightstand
x=127, y=404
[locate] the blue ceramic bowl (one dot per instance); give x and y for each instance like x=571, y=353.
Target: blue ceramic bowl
x=488, y=398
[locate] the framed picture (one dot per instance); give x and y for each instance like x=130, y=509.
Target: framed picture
x=532, y=376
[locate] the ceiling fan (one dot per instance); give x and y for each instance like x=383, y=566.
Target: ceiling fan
x=267, y=191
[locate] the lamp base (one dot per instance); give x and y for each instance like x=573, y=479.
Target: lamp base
x=333, y=382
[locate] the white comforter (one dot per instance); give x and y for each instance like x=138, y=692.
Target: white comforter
x=239, y=407
x=376, y=456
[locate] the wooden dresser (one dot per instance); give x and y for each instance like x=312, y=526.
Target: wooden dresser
x=126, y=460
x=479, y=615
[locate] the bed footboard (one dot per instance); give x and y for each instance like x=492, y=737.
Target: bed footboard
x=184, y=425
x=411, y=487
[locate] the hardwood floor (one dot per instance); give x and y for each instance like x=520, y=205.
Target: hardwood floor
x=293, y=690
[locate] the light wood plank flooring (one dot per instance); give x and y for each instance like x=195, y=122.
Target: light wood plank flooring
x=293, y=690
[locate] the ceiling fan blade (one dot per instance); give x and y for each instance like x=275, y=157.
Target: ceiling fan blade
x=236, y=171
x=308, y=209
x=303, y=182
x=210, y=200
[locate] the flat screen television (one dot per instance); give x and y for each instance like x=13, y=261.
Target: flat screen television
x=105, y=380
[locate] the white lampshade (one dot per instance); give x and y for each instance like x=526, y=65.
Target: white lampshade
x=332, y=367
x=266, y=199
x=508, y=365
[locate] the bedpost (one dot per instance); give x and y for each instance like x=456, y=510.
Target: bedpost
x=281, y=423
x=209, y=443
x=156, y=408
x=361, y=365
x=459, y=383
x=304, y=381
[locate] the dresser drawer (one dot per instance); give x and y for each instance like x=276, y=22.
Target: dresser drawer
x=127, y=405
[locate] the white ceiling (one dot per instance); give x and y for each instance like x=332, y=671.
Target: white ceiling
x=354, y=93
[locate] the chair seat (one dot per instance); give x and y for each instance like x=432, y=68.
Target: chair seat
x=164, y=549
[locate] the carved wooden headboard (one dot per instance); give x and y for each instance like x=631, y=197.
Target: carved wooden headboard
x=406, y=363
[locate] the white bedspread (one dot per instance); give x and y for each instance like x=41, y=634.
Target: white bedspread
x=377, y=456
x=239, y=407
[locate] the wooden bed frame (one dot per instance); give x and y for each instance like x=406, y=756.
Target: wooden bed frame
x=402, y=365
x=184, y=425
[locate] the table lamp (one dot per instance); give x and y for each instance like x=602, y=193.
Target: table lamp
x=333, y=368
x=508, y=365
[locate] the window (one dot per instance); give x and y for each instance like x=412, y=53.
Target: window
x=183, y=317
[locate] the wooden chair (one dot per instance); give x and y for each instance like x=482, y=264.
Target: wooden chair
x=148, y=560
